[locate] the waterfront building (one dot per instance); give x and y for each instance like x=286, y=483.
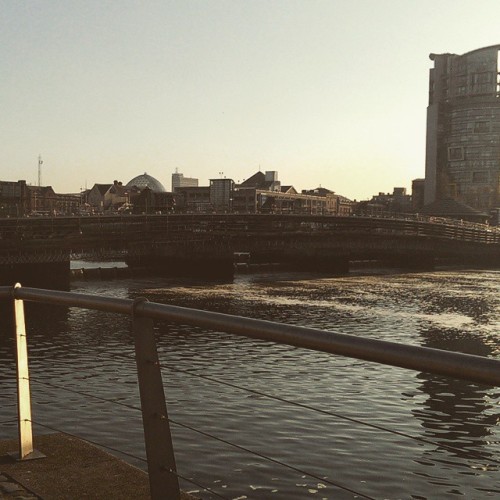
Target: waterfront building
x=144, y=180
x=111, y=197
x=193, y=199
x=178, y=181
x=17, y=199
x=221, y=194
x=417, y=194
x=396, y=202
x=452, y=209
x=345, y=206
x=264, y=181
x=260, y=193
x=263, y=193
x=332, y=204
x=463, y=129
x=119, y=196
x=43, y=200
x=13, y=199
x=148, y=201
x=95, y=197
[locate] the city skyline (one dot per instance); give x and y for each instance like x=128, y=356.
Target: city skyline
x=325, y=93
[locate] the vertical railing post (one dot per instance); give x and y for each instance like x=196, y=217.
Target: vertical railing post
x=26, y=450
x=163, y=480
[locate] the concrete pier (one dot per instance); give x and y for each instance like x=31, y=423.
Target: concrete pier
x=188, y=266
x=37, y=274
x=72, y=469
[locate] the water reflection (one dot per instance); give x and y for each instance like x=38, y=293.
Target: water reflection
x=457, y=412
x=92, y=352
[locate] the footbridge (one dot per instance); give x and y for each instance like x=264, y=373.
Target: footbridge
x=206, y=243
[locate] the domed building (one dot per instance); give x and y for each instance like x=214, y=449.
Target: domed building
x=145, y=180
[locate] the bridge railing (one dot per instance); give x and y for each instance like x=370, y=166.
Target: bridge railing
x=76, y=227
x=159, y=451
x=203, y=226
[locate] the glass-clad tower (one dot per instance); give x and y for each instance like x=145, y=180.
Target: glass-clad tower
x=463, y=129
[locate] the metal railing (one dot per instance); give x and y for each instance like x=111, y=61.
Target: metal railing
x=77, y=232
x=163, y=476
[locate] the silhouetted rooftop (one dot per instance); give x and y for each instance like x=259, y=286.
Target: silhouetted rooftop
x=453, y=209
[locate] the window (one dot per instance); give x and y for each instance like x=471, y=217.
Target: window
x=473, y=152
x=455, y=153
x=481, y=127
x=481, y=77
x=480, y=177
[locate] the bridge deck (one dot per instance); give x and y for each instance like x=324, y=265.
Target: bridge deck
x=46, y=239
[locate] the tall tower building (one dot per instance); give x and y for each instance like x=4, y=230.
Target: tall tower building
x=178, y=181
x=463, y=129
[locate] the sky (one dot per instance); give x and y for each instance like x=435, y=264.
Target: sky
x=327, y=93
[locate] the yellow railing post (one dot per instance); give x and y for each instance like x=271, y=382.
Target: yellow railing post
x=26, y=450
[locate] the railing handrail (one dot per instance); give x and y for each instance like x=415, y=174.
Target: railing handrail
x=394, y=216
x=453, y=364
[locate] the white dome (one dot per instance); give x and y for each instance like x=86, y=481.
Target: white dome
x=145, y=180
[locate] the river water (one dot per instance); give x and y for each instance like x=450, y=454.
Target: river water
x=301, y=408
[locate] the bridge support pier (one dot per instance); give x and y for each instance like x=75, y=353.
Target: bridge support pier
x=414, y=261
x=318, y=263
x=42, y=274
x=211, y=259
x=189, y=266
x=306, y=259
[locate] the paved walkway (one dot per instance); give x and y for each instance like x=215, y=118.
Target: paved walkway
x=73, y=469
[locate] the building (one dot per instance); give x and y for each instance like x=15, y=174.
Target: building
x=331, y=204
x=417, y=194
x=263, y=193
x=178, y=181
x=116, y=196
x=260, y=193
x=14, y=199
x=17, y=199
x=148, y=201
x=95, y=197
x=452, y=209
x=144, y=180
x=345, y=206
x=43, y=200
x=463, y=129
x=221, y=194
x=265, y=182
x=397, y=202
x=191, y=199
x=119, y=197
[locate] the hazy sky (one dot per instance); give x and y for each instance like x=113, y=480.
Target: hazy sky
x=330, y=93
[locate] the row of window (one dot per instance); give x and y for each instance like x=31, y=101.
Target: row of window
x=460, y=153
x=477, y=177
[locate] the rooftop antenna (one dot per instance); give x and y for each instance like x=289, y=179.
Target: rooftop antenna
x=40, y=162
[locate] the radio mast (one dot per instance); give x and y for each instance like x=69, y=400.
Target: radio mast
x=40, y=161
